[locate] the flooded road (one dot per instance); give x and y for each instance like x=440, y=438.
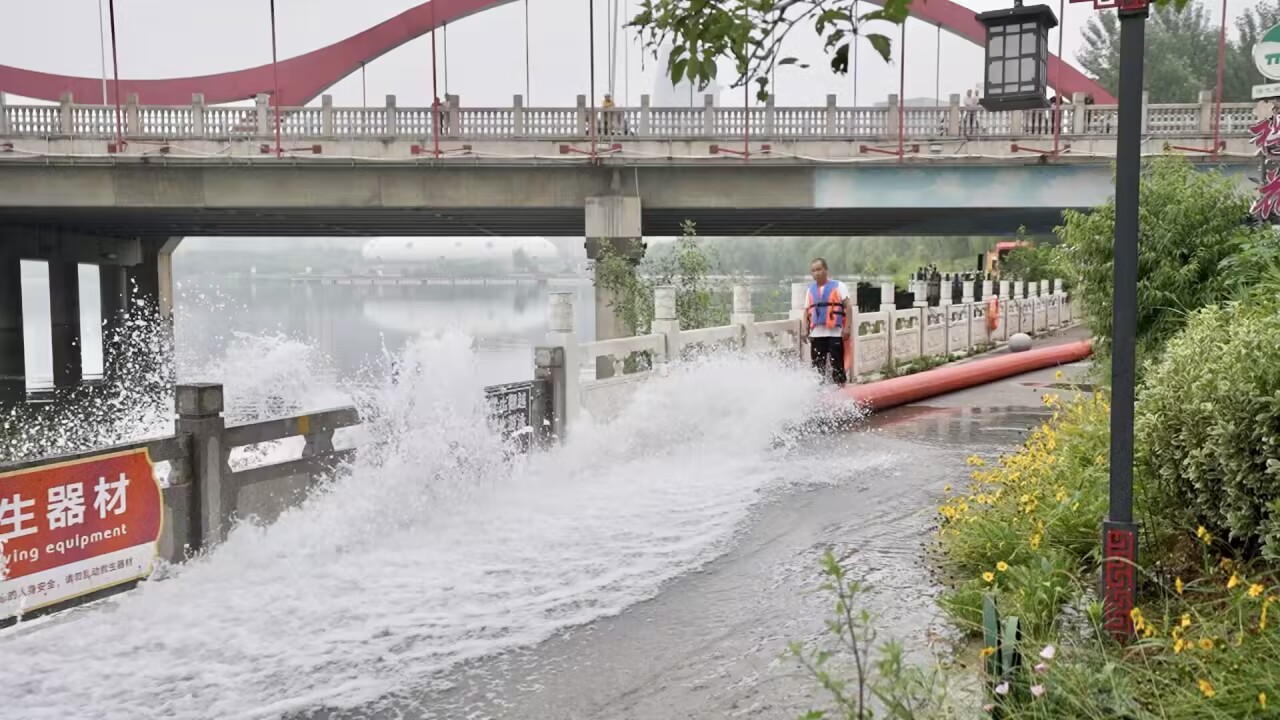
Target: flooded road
x=710, y=645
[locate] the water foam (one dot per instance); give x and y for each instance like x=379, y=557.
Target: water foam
x=429, y=551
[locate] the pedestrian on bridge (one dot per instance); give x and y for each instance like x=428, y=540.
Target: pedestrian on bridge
x=827, y=326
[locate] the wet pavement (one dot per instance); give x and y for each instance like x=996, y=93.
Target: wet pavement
x=710, y=644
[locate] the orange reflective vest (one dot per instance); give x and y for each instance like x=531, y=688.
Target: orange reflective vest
x=825, y=306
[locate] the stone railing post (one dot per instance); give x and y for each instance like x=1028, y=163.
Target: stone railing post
x=988, y=289
x=770, y=117
x=799, y=294
x=393, y=124
x=953, y=115
x=708, y=115
x=197, y=115
x=972, y=291
x=560, y=334
x=453, y=118
x=1058, y=286
x=743, y=315
x=517, y=115
x=132, y=115
x=665, y=322
x=1044, y=288
x=549, y=409
x=4, y=116
x=887, y=300
x=645, y=116
x=200, y=416
x=892, y=110
x=833, y=116
x=262, y=104
x=66, y=110
x=1206, y=112
x=584, y=118
x=1015, y=123
x=1079, y=114
x=326, y=116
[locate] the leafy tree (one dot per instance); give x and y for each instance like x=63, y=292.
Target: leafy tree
x=1181, y=54
x=750, y=33
x=1035, y=263
x=1192, y=222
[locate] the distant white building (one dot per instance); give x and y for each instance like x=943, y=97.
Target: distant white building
x=460, y=253
x=682, y=94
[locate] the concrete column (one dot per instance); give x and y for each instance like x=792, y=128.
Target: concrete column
x=560, y=334
x=1015, y=123
x=150, y=284
x=799, y=293
x=114, y=293
x=887, y=301
x=66, y=108
x=132, y=116
x=665, y=322
x=197, y=115
x=1079, y=116
x=953, y=115
x=709, y=115
x=517, y=115
x=892, y=110
x=13, y=381
x=584, y=118
x=549, y=412
x=770, y=117
x=1206, y=112
x=393, y=120
x=326, y=116
x=200, y=415
x=64, y=315
x=262, y=105
x=645, y=116
x=743, y=315
x=832, y=115
x=612, y=221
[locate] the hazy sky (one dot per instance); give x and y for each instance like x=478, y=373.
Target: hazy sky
x=485, y=53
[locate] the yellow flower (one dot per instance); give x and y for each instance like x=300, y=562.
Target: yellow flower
x=1058, y=375
x=989, y=576
x=1139, y=622
x=1186, y=620
x=1002, y=566
x=975, y=461
x=1206, y=688
x=946, y=489
x=1177, y=585
x=1179, y=645
x=1204, y=535
x=1262, y=700
x=1206, y=644
x=1234, y=581
x=1255, y=590
x=987, y=652
x=1034, y=541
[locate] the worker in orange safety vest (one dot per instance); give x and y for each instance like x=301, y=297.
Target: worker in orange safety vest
x=827, y=325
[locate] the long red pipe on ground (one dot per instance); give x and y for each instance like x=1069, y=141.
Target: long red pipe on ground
x=893, y=392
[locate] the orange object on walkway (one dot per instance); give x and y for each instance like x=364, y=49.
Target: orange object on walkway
x=893, y=392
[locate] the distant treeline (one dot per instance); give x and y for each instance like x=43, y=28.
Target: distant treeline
x=846, y=256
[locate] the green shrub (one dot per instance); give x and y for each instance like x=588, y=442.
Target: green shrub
x=1208, y=426
x=1191, y=222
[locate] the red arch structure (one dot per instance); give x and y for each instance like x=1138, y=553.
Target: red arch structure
x=305, y=77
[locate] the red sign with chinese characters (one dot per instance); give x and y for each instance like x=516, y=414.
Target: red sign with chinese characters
x=1266, y=137
x=75, y=527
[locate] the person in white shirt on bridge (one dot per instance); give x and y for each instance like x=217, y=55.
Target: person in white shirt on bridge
x=827, y=325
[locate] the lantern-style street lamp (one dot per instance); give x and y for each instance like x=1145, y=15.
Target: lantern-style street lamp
x=1017, y=57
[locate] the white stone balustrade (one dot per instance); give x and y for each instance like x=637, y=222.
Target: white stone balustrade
x=887, y=337
x=725, y=122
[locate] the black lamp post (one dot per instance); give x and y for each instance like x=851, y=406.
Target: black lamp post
x=1015, y=80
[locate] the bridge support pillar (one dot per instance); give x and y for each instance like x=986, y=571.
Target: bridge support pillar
x=613, y=229
x=113, y=290
x=64, y=315
x=13, y=381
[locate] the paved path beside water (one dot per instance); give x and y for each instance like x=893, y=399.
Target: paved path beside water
x=709, y=645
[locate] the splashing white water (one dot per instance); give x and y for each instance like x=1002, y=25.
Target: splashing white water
x=430, y=551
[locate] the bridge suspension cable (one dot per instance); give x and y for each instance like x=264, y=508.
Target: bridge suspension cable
x=528, y=96
x=115, y=70
x=102, y=52
x=275, y=78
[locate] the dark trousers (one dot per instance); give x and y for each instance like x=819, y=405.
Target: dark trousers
x=829, y=350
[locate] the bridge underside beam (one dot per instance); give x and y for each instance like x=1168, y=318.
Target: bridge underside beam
x=161, y=223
